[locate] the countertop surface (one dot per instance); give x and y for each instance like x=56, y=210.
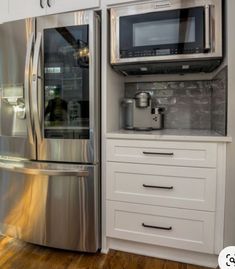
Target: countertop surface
x=171, y=135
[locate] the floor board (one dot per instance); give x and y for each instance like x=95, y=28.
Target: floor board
x=15, y=254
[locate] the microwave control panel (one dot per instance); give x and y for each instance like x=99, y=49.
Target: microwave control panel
x=159, y=52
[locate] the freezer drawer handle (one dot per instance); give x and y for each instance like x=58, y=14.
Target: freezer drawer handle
x=157, y=227
x=162, y=4
x=158, y=153
x=46, y=172
x=50, y=172
x=158, y=187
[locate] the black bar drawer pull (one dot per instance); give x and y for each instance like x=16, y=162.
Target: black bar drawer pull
x=158, y=153
x=157, y=227
x=158, y=187
x=41, y=4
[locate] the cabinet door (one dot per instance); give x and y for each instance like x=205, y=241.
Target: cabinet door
x=58, y=6
x=3, y=11
x=26, y=9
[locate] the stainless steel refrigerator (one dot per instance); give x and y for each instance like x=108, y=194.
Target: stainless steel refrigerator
x=50, y=130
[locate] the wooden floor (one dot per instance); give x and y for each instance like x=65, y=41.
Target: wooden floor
x=15, y=254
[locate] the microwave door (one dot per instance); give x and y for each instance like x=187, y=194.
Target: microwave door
x=163, y=33
x=66, y=91
x=16, y=127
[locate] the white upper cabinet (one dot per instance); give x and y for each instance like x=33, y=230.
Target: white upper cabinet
x=3, y=10
x=26, y=9
x=59, y=6
x=12, y=10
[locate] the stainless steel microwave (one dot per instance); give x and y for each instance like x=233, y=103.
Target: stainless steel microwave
x=185, y=34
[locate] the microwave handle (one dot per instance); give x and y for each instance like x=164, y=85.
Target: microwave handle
x=207, y=27
x=162, y=4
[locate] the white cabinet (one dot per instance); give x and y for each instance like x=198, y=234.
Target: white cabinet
x=59, y=6
x=12, y=10
x=3, y=10
x=178, y=185
x=26, y=9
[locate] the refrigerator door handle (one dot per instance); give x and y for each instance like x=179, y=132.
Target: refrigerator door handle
x=43, y=172
x=27, y=87
x=36, y=62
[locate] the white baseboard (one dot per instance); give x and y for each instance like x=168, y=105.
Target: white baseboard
x=104, y=250
x=184, y=256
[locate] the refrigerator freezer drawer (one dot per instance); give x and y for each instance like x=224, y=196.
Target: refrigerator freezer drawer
x=52, y=205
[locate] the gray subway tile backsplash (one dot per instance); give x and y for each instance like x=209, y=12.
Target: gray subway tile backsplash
x=219, y=102
x=189, y=104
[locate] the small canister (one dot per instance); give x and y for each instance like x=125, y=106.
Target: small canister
x=158, y=118
x=128, y=106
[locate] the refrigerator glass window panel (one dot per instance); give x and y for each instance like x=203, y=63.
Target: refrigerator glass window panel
x=66, y=82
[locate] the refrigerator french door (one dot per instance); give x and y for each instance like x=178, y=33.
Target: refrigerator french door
x=50, y=183
x=68, y=125
x=16, y=134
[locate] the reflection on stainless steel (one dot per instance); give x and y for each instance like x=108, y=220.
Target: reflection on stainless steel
x=66, y=150
x=29, y=25
x=56, y=211
x=81, y=17
x=16, y=147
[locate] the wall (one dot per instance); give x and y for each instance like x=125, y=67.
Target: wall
x=230, y=171
x=219, y=102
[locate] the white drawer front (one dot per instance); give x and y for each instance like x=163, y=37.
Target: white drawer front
x=158, y=152
x=172, y=186
x=188, y=229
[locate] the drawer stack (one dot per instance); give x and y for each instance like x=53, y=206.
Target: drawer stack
x=162, y=193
